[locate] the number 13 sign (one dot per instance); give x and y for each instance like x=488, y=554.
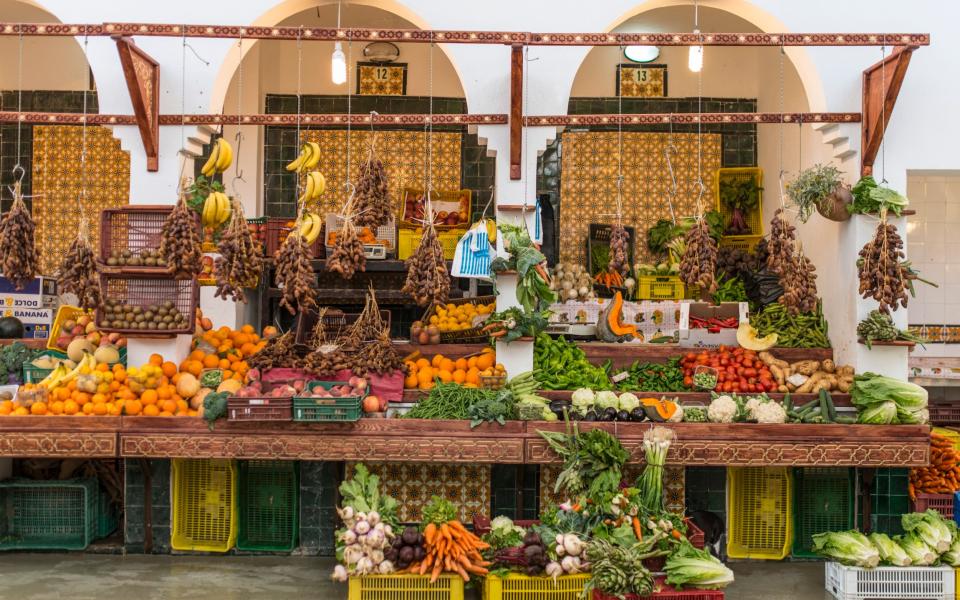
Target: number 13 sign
x=375, y=79
x=642, y=81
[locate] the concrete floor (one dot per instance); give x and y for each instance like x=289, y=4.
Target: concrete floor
x=137, y=577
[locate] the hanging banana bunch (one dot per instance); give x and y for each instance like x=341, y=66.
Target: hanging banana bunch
x=314, y=187
x=216, y=210
x=220, y=159
x=310, y=227
x=308, y=159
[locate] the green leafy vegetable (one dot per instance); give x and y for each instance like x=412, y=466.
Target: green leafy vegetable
x=689, y=566
x=890, y=552
x=214, y=407
x=439, y=511
x=362, y=493
x=869, y=197
x=847, y=547
x=930, y=527
x=492, y=409
x=592, y=461
x=12, y=358
x=920, y=553
x=503, y=534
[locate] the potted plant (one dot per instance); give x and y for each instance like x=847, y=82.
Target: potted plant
x=740, y=196
x=820, y=188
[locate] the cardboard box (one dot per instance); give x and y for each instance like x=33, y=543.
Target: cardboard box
x=39, y=293
x=31, y=316
x=652, y=319
x=702, y=337
x=37, y=332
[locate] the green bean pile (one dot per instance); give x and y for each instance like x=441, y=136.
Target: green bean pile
x=449, y=401
x=793, y=331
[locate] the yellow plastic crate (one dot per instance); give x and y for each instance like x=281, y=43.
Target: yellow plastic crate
x=64, y=313
x=523, y=587
x=405, y=587
x=754, y=218
x=950, y=434
x=743, y=242
x=204, y=500
x=659, y=287
x=760, y=512
x=409, y=240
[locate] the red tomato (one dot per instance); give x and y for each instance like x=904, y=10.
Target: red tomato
x=690, y=356
x=724, y=362
x=688, y=381
x=750, y=372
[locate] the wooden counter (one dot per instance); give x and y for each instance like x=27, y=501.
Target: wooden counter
x=399, y=440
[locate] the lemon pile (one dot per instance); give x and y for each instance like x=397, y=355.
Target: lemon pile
x=460, y=317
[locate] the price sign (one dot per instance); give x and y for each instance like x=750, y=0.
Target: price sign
x=642, y=81
x=377, y=79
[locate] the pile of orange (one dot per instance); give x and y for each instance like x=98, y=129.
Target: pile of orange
x=224, y=349
x=423, y=373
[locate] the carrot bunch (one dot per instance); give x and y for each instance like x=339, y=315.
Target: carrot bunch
x=609, y=278
x=943, y=474
x=450, y=547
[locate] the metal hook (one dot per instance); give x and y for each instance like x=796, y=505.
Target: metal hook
x=23, y=172
x=493, y=193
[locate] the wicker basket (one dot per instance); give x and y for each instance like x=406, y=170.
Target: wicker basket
x=466, y=336
x=134, y=229
x=147, y=290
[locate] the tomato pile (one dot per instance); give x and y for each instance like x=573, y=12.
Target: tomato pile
x=738, y=370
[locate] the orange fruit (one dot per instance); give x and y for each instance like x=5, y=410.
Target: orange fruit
x=82, y=398
x=426, y=385
x=6, y=407
x=120, y=376
x=103, y=367
x=149, y=397
x=38, y=408
x=445, y=376
x=70, y=407
x=168, y=406
x=425, y=376
x=56, y=407
x=422, y=362
x=437, y=359
x=461, y=364
x=447, y=365
x=62, y=394
x=411, y=381
x=165, y=413
x=459, y=376
x=195, y=367
x=223, y=364
x=472, y=362
x=132, y=407
x=114, y=410
x=169, y=369
x=100, y=409
x=196, y=355
x=98, y=398
x=164, y=392
x=248, y=329
x=473, y=376
x=21, y=411
x=151, y=410
x=88, y=408
x=248, y=349
x=211, y=361
x=156, y=360
x=489, y=350
x=191, y=413
x=484, y=361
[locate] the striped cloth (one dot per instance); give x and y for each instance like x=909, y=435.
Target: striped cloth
x=473, y=255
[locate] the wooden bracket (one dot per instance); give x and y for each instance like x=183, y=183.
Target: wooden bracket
x=143, y=82
x=881, y=85
x=516, y=110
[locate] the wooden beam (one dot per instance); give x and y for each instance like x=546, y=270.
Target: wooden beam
x=516, y=110
x=279, y=120
x=881, y=85
x=143, y=82
x=764, y=118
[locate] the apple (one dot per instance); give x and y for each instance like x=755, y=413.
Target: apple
x=82, y=320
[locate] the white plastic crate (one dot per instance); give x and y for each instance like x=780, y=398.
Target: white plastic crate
x=388, y=233
x=900, y=583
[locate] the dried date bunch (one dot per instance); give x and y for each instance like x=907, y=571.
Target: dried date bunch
x=378, y=357
x=427, y=279
x=882, y=274
x=699, y=262
x=180, y=243
x=619, y=244
x=78, y=271
x=782, y=244
x=800, y=286
x=295, y=274
x=18, y=252
x=326, y=364
x=239, y=263
x=369, y=325
x=373, y=195
x=347, y=256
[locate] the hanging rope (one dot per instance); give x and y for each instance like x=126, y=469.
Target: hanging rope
x=19, y=104
x=700, y=185
x=238, y=174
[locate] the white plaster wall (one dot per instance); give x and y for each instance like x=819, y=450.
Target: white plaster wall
x=918, y=136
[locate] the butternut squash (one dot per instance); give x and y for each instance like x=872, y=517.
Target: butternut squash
x=610, y=325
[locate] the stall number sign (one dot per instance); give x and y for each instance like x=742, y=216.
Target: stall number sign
x=642, y=81
x=375, y=79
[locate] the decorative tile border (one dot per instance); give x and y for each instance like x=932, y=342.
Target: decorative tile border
x=937, y=334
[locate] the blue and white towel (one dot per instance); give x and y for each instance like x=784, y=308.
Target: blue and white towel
x=474, y=254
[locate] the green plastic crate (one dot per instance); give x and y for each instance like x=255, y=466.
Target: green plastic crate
x=345, y=409
x=889, y=500
x=48, y=515
x=268, y=508
x=823, y=500
x=108, y=517
x=32, y=374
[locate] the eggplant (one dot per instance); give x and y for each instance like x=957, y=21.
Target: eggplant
x=590, y=416
x=638, y=414
x=609, y=414
x=623, y=415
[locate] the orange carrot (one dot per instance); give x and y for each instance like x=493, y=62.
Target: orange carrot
x=637, y=529
x=437, y=568
x=429, y=533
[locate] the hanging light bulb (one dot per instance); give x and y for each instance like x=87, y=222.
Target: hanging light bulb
x=695, y=58
x=338, y=65
x=338, y=62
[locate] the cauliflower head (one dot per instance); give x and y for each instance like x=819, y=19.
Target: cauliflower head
x=722, y=409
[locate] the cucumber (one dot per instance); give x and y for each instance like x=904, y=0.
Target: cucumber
x=787, y=402
x=809, y=405
x=822, y=399
x=845, y=420
x=831, y=409
x=810, y=416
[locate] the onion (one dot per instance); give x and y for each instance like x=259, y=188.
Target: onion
x=376, y=556
x=560, y=550
x=348, y=537
x=352, y=554
x=339, y=573
x=361, y=527
x=375, y=539
x=374, y=517
x=572, y=294
x=553, y=569
x=572, y=544
x=364, y=565
x=346, y=513
x=568, y=565
x=387, y=530
x=385, y=567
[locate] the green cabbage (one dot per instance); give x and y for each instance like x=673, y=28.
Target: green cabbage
x=930, y=527
x=847, y=547
x=890, y=552
x=582, y=400
x=696, y=568
x=883, y=413
x=870, y=388
x=628, y=401
x=921, y=555
x=606, y=399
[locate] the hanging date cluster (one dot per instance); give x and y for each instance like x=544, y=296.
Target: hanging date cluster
x=619, y=244
x=239, y=263
x=882, y=274
x=780, y=248
x=427, y=279
x=797, y=274
x=373, y=195
x=78, y=271
x=295, y=274
x=18, y=252
x=180, y=244
x=347, y=256
x=699, y=261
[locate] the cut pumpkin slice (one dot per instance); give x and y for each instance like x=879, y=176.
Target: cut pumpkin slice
x=748, y=337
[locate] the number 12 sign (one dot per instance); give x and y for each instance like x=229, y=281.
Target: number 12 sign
x=642, y=81
x=378, y=79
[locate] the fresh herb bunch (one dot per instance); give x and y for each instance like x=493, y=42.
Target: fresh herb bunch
x=656, y=444
x=492, y=409
x=439, y=511
x=592, y=461
x=533, y=281
x=516, y=323
x=811, y=187
x=362, y=493
x=871, y=198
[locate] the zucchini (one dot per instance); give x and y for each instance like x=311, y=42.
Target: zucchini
x=808, y=406
x=787, y=402
x=845, y=420
x=831, y=409
x=809, y=417
x=824, y=411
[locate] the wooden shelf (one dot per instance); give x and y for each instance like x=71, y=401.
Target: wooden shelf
x=517, y=207
x=417, y=440
x=902, y=343
x=623, y=355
